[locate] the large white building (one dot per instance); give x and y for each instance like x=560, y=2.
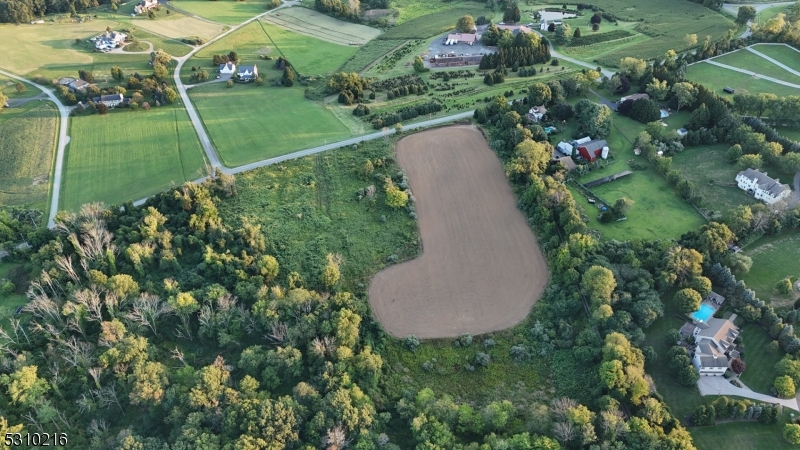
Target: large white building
x=762, y=187
x=714, y=341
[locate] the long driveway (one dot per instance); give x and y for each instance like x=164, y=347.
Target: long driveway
x=205, y=141
x=721, y=386
x=63, y=140
x=555, y=54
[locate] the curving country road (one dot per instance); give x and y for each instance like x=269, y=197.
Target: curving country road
x=734, y=9
x=63, y=140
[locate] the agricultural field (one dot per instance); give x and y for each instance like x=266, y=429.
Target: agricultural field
x=27, y=144
x=249, y=123
x=179, y=26
x=8, y=86
x=783, y=53
x=369, y=53
x=743, y=435
x=412, y=9
x=774, y=258
x=308, y=55
x=231, y=12
x=744, y=59
x=315, y=24
x=468, y=217
x=760, y=359
x=717, y=78
x=435, y=23
x=127, y=155
x=713, y=176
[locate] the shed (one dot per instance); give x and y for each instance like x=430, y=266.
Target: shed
x=729, y=90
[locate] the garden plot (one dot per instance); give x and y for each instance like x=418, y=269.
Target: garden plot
x=312, y=23
x=481, y=269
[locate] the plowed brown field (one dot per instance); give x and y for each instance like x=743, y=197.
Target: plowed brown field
x=481, y=268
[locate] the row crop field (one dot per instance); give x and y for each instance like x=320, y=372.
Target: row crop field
x=27, y=142
x=312, y=23
x=126, y=155
x=179, y=26
x=370, y=52
x=249, y=123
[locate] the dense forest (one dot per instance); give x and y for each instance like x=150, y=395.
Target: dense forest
x=21, y=11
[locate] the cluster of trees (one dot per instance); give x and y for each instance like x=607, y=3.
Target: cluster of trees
x=524, y=49
x=361, y=110
x=641, y=110
x=781, y=28
x=21, y=11
x=401, y=86
x=498, y=76
x=348, y=9
x=465, y=24
x=406, y=113
x=232, y=57
x=349, y=86
x=724, y=408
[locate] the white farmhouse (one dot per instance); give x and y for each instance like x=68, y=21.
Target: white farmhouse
x=112, y=100
x=227, y=69
x=714, y=341
x=762, y=187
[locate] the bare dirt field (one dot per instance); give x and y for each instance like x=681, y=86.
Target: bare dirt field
x=481, y=269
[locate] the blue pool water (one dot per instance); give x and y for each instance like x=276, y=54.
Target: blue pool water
x=703, y=313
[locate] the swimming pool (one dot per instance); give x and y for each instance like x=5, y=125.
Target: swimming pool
x=703, y=313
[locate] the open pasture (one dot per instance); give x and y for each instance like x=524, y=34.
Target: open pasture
x=8, y=86
x=369, y=53
x=717, y=78
x=774, y=258
x=435, y=23
x=783, y=53
x=481, y=269
x=746, y=60
x=312, y=23
x=225, y=11
x=249, y=123
x=27, y=142
x=178, y=26
x=127, y=155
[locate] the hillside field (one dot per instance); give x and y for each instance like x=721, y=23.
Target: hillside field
x=27, y=144
x=747, y=60
x=312, y=23
x=717, y=78
x=248, y=123
x=226, y=11
x=127, y=155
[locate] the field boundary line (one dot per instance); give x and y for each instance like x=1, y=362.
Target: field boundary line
x=774, y=61
x=754, y=74
x=331, y=38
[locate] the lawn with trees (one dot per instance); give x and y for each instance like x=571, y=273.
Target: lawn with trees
x=744, y=435
x=774, y=259
x=760, y=358
x=718, y=78
x=248, y=123
x=746, y=60
x=110, y=161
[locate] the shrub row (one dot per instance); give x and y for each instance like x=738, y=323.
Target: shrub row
x=409, y=112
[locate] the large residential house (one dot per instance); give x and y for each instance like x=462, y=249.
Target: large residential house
x=536, y=113
x=78, y=86
x=762, y=187
x=227, y=69
x=109, y=39
x=714, y=346
x=144, y=6
x=112, y=100
x=247, y=73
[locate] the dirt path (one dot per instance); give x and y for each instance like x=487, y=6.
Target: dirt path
x=481, y=269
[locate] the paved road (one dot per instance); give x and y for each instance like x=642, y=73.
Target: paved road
x=555, y=54
x=774, y=61
x=734, y=9
x=604, y=101
x=751, y=73
x=213, y=80
x=63, y=140
x=721, y=386
x=14, y=102
x=205, y=141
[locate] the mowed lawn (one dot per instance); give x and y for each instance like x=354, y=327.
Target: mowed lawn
x=128, y=155
x=747, y=60
x=782, y=52
x=742, y=436
x=9, y=302
x=774, y=258
x=760, y=372
x=713, y=177
x=226, y=11
x=27, y=143
x=717, y=78
x=248, y=123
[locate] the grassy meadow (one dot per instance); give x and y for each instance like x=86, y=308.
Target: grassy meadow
x=248, y=123
x=27, y=144
x=760, y=372
x=713, y=177
x=717, y=78
x=225, y=11
x=783, y=53
x=774, y=258
x=315, y=24
x=127, y=155
x=750, y=61
x=10, y=302
x=743, y=435
x=434, y=23
x=368, y=53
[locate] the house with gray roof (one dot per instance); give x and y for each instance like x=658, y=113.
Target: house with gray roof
x=247, y=73
x=759, y=185
x=714, y=345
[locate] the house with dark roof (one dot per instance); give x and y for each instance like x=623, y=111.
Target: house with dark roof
x=78, y=86
x=227, y=69
x=247, y=73
x=109, y=39
x=714, y=345
x=759, y=185
x=593, y=149
x=112, y=100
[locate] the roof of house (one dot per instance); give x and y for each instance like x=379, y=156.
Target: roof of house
x=514, y=28
x=709, y=361
x=538, y=110
x=772, y=186
x=247, y=69
x=594, y=146
x=108, y=98
x=583, y=140
x=634, y=97
x=565, y=146
x=462, y=37
x=227, y=65
x=77, y=84
x=722, y=331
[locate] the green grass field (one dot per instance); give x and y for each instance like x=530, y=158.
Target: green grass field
x=8, y=87
x=9, y=302
x=248, y=123
x=717, y=78
x=791, y=133
x=782, y=53
x=744, y=59
x=226, y=11
x=309, y=56
x=743, y=436
x=312, y=23
x=127, y=155
x=774, y=258
x=27, y=142
x=681, y=400
x=760, y=372
x=368, y=53
x=713, y=177
x=434, y=23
